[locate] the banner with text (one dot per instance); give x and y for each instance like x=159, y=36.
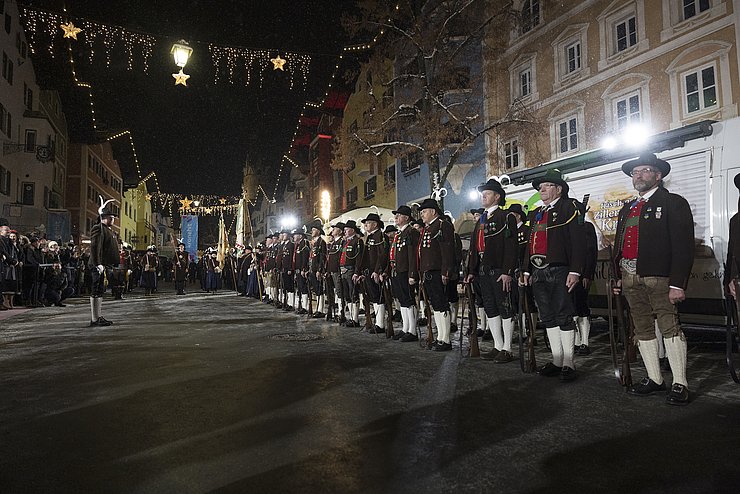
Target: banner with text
x=189, y=225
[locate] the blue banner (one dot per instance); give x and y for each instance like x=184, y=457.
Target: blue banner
x=57, y=226
x=189, y=228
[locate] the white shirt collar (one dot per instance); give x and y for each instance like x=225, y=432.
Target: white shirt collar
x=647, y=195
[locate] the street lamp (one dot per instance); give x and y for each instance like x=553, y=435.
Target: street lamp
x=325, y=205
x=288, y=221
x=181, y=52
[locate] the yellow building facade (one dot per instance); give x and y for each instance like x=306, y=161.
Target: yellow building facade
x=369, y=180
x=577, y=72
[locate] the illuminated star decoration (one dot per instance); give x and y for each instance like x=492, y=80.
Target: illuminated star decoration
x=185, y=203
x=278, y=63
x=181, y=78
x=148, y=197
x=222, y=200
x=70, y=31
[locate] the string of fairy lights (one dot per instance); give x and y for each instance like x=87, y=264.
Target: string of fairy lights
x=231, y=64
x=41, y=23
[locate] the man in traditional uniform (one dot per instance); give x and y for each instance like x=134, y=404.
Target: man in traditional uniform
x=269, y=268
x=301, y=252
x=493, y=258
x=333, y=255
x=285, y=262
x=352, y=251
x=404, y=272
x=180, y=264
x=317, y=265
x=374, y=263
x=103, y=256
x=436, y=267
x=556, y=261
x=654, y=252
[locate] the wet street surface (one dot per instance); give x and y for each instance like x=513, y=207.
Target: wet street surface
x=215, y=393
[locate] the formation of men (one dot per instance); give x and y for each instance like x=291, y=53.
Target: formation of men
x=410, y=272
x=547, y=255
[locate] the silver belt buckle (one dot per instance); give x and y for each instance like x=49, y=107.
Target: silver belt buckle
x=539, y=261
x=629, y=265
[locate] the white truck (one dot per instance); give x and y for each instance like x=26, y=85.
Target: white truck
x=704, y=158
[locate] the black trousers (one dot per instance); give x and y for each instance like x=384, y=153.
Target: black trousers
x=287, y=282
x=402, y=289
x=580, y=300
x=317, y=285
x=554, y=303
x=372, y=290
x=98, y=281
x=348, y=287
x=436, y=291
x=496, y=302
x=477, y=292
x=301, y=284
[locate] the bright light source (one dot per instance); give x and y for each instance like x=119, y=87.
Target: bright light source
x=609, y=143
x=473, y=194
x=288, y=221
x=181, y=52
x=635, y=135
x=325, y=205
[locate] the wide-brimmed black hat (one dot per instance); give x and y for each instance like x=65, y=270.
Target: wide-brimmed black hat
x=430, y=203
x=553, y=176
x=352, y=224
x=477, y=211
x=298, y=231
x=737, y=180
x=373, y=217
x=248, y=247
x=404, y=210
x=390, y=229
x=417, y=223
x=285, y=230
x=648, y=159
x=517, y=208
x=495, y=186
x=316, y=224
x=339, y=225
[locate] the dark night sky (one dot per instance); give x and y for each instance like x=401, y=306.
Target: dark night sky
x=197, y=138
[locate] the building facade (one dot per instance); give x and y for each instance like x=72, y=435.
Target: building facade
x=582, y=71
x=92, y=173
x=33, y=133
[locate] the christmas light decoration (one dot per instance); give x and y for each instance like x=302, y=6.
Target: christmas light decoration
x=278, y=63
x=181, y=78
x=181, y=52
x=186, y=203
x=70, y=31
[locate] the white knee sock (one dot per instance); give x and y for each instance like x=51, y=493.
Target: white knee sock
x=584, y=328
x=556, y=345
x=676, y=351
x=380, y=315
x=508, y=330
x=442, y=319
x=568, y=340
x=411, y=313
x=320, y=304
x=482, y=319
x=304, y=301
x=404, y=319
x=649, y=354
x=496, y=327
x=453, y=313
x=94, y=314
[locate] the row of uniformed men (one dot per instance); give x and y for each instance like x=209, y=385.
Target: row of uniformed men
x=555, y=256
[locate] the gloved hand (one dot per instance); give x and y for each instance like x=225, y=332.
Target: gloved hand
x=100, y=268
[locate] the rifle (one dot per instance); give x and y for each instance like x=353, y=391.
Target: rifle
x=473, y=318
x=330, y=298
x=428, y=314
x=531, y=364
x=623, y=373
x=388, y=299
x=342, y=300
x=310, y=295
